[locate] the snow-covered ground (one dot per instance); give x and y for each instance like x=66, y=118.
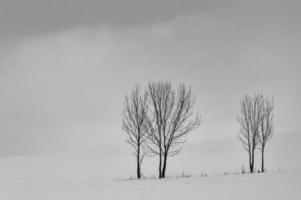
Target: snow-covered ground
x=276, y=185
x=106, y=175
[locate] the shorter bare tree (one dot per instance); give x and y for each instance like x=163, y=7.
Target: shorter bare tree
x=135, y=125
x=250, y=119
x=266, y=126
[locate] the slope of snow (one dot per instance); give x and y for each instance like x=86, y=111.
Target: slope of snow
x=282, y=153
x=103, y=175
x=276, y=186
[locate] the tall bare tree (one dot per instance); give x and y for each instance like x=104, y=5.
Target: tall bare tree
x=250, y=119
x=266, y=126
x=135, y=125
x=170, y=119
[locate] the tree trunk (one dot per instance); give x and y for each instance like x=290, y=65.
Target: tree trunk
x=138, y=170
x=253, y=159
x=138, y=165
x=160, y=165
x=262, y=159
x=164, y=166
x=252, y=167
x=250, y=162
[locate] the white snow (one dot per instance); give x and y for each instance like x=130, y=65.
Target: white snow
x=276, y=185
x=106, y=175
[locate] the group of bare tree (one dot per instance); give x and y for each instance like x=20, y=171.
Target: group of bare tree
x=157, y=121
x=256, y=125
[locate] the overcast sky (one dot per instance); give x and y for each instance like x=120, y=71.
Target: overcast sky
x=65, y=65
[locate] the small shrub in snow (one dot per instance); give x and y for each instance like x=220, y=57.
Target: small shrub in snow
x=184, y=175
x=243, y=170
x=130, y=178
x=153, y=176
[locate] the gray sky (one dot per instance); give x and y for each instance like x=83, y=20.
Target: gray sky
x=66, y=65
x=42, y=16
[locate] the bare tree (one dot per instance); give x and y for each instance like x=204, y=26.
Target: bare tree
x=135, y=125
x=250, y=119
x=266, y=126
x=170, y=119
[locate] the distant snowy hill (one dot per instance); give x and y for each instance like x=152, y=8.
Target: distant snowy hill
x=282, y=153
x=214, y=156
x=281, y=142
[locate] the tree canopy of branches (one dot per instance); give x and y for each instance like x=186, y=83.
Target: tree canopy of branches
x=170, y=119
x=249, y=120
x=135, y=125
x=256, y=125
x=266, y=126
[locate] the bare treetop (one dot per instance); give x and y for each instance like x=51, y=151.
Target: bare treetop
x=256, y=125
x=135, y=125
x=171, y=118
